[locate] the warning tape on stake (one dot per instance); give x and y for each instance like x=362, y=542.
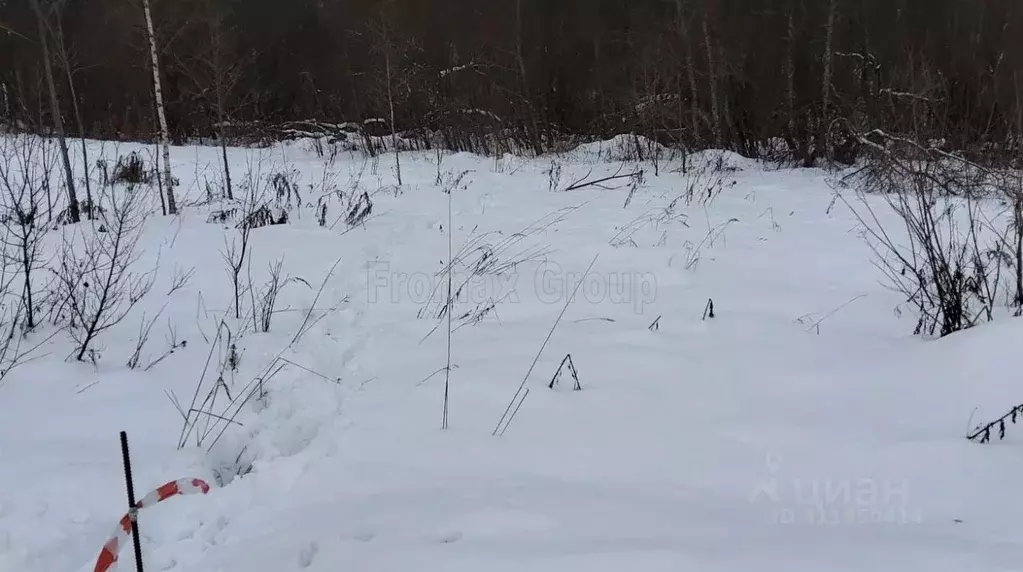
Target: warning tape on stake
x=108, y=556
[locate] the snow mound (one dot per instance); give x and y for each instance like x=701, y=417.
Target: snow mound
x=620, y=148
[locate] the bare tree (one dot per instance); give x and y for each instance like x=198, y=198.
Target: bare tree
x=216, y=72
x=683, y=34
x=237, y=250
x=12, y=336
x=942, y=267
x=386, y=44
x=58, y=123
x=65, y=59
x=96, y=275
x=266, y=305
x=823, y=122
x=235, y=253
x=22, y=186
x=712, y=79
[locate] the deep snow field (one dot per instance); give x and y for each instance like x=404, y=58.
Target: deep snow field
x=802, y=428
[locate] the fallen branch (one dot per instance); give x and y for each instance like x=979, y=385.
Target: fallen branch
x=583, y=183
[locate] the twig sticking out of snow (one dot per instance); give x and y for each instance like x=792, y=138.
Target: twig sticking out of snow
x=505, y=419
x=140, y=343
x=708, y=310
x=306, y=326
x=571, y=370
x=525, y=394
x=222, y=339
x=816, y=324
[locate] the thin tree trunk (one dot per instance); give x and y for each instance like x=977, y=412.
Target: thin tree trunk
x=694, y=94
x=74, y=215
x=159, y=180
x=819, y=149
x=223, y=141
x=715, y=110
x=227, y=168
x=218, y=75
x=390, y=103
x=90, y=205
x=1017, y=221
x=534, y=135
x=790, y=77
x=168, y=183
x=1019, y=114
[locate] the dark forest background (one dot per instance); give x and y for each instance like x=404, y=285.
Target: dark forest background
x=798, y=77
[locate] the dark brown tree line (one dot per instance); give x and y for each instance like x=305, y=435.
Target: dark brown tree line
x=790, y=77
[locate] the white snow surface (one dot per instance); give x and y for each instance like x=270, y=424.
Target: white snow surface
x=750, y=441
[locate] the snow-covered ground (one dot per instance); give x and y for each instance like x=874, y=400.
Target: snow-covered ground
x=800, y=428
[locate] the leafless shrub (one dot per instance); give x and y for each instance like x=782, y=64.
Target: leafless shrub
x=131, y=169
x=235, y=253
x=694, y=252
x=145, y=327
x=266, y=200
x=264, y=215
x=266, y=304
x=172, y=345
x=1008, y=185
x=553, y=176
x=703, y=183
x=237, y=249
x=23, y=188
x=946, y=270
x=13, y=334
x=95, y=273
x=285, y=186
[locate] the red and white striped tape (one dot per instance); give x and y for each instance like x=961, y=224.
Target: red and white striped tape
x=108, y=556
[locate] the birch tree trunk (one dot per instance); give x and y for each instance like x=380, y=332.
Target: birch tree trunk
x=74, y=215
x=168, y=186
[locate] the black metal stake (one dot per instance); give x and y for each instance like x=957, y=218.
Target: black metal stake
x=132, y=511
